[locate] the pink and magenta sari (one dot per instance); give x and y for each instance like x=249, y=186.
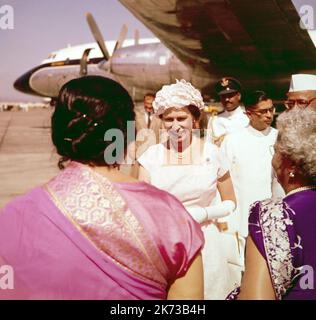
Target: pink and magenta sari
x=82, y=237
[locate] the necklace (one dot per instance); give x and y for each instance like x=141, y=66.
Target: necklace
x=311, y=187
x=179, y=155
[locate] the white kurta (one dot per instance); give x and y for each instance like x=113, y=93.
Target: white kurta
x=227, y=122
x=195, y=185
x=249, y=154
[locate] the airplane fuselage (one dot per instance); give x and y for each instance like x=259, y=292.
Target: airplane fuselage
x=139, y=68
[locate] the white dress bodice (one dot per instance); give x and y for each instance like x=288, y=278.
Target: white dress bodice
x=192, y=184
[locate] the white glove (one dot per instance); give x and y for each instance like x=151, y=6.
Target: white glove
x=199, y=214
x=217, y=211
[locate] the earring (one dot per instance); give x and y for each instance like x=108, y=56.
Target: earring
x=291, y=175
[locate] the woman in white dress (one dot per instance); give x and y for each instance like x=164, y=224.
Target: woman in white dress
x=193, y=170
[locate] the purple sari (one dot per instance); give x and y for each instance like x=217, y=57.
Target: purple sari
x=82, y=237
x=284, y=232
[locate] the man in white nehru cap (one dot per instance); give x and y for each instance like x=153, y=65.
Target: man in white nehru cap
x=302, y=92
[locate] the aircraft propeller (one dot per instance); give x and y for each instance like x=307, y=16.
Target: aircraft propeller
x=100, y=40
x=97, y=35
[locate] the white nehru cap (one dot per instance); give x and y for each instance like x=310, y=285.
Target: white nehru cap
x=177, y=95
x=302, y=82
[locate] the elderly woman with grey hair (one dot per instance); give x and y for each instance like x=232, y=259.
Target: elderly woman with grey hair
x=280, y=251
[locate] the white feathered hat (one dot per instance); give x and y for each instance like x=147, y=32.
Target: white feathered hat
x=177, y=95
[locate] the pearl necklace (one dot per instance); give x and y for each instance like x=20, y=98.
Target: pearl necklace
x=179, y=155
x=312, y=187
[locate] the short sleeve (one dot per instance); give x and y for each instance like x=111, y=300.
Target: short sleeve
x=183, y=239
x=178, y=238
x=149, y=158
x=216, y=126
x=255, y=229
x=219, y=158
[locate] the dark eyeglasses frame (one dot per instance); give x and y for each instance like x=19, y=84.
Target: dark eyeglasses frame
x=301, y=103
x=265, y=111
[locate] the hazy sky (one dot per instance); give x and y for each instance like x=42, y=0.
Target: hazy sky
x=43, y=26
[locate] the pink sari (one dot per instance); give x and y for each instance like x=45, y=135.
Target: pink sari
x=82, y=237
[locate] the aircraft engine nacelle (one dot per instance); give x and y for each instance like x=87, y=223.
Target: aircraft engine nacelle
x=147, y=67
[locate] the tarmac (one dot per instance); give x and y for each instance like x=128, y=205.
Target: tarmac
x=27, y=155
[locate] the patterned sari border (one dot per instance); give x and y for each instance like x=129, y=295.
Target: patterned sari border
x=101, y=215
x=274, y=219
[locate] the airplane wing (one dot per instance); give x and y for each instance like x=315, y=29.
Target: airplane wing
x=245, y=39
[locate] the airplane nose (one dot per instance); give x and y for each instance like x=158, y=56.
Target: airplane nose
x=22, y=83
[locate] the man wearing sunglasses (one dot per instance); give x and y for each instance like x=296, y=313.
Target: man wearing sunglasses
x=249, y=158
x=302, y=92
